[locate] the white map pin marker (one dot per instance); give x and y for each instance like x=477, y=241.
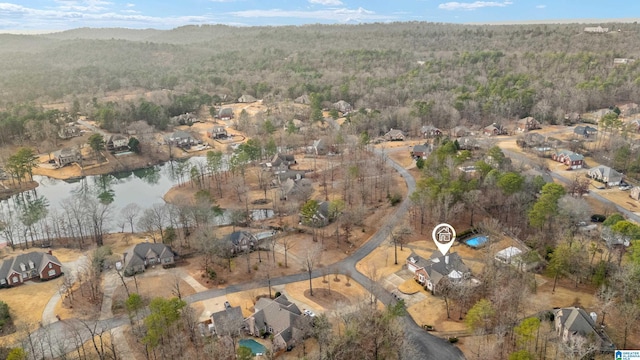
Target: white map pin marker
x=444, y=235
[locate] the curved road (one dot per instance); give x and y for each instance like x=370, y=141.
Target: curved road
x=556, y=175
x=427, y=345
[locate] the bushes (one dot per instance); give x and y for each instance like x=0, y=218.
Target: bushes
x=5, y=317
x=394, y=199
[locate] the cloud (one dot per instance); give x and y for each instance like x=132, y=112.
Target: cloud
x=13, y=16
x=472, y=6
x=82, y=5
x=130, y=5
x=326, y=2
x=340, y=15
x=541, y=6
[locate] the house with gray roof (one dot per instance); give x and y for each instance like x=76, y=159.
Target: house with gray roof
x=281, y=162
x=574, y=326
x=227, y=322
x=585, y=131
x=66, y=156
x=33, y=265
x=147, y=254
x=430, y=131
x=429, y=272
x=280, y=318
x=494, y=130
x=605, y=175
x=394, y=135
x=218, y=132
x=225, y=114
x=420, y=151
x=181, y=139
x=117, y=142
x=240, y=241
x=569, y=158
x=527, y=124
x=343, y=106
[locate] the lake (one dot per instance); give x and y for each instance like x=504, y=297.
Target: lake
x=143, y=187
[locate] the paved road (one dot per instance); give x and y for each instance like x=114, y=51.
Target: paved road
x=427, y=345
x=558, y=176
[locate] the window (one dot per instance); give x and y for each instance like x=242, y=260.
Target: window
x=15, y=279
x=31, y=265
x=52, y=272
x=50, y=266
x=3, y=281
x=23, y=267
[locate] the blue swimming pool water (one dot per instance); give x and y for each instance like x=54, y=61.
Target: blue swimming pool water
x=256, y=347
x=476, y=241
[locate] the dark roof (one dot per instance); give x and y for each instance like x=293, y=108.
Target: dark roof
x=39, y=260
x=142, y=251
x=229, y=317
x=445, y=265
x=420, y=148
x=236, y=237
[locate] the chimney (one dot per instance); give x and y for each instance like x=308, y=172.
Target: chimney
x=446, y=259
x=50, y=252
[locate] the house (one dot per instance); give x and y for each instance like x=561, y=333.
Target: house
x=575, y=326
x=420, y=151
x=585, y=131
x=460, y=131
x=280, y=318
x=430, y=272
x=343, y=106
x=293, y=188
x=184, y=119
x=320, y=218
x=117, y=143
x=295, y=175
x=494, y=130
x=394, y=135
x=304, y=99
x=605, y=175
x=218, y=132
x=34, y=265
x=281, y=162
x=69, y=131
x=227, y=322
x=468, y=143
x=225, y=114
x=527, y=124
x=569, y=158
x=240, y=241
x=66, y=156
x=510, y=255
x=635, y=193
x=430, y=131
x=247, y=99
x=181, y=139
x=572, y=117
x=145, y=254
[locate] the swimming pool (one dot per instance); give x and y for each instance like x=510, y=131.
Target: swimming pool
x=256, y=347
x=477, y=241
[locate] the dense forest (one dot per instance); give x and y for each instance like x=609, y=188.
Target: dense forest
x=412, y=72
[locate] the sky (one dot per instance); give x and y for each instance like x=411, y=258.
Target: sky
x=53, y=15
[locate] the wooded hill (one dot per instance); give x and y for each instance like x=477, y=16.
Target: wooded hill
x=459, y=73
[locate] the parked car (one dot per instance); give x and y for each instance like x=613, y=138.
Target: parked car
x=227, y=305
x=308, y=313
